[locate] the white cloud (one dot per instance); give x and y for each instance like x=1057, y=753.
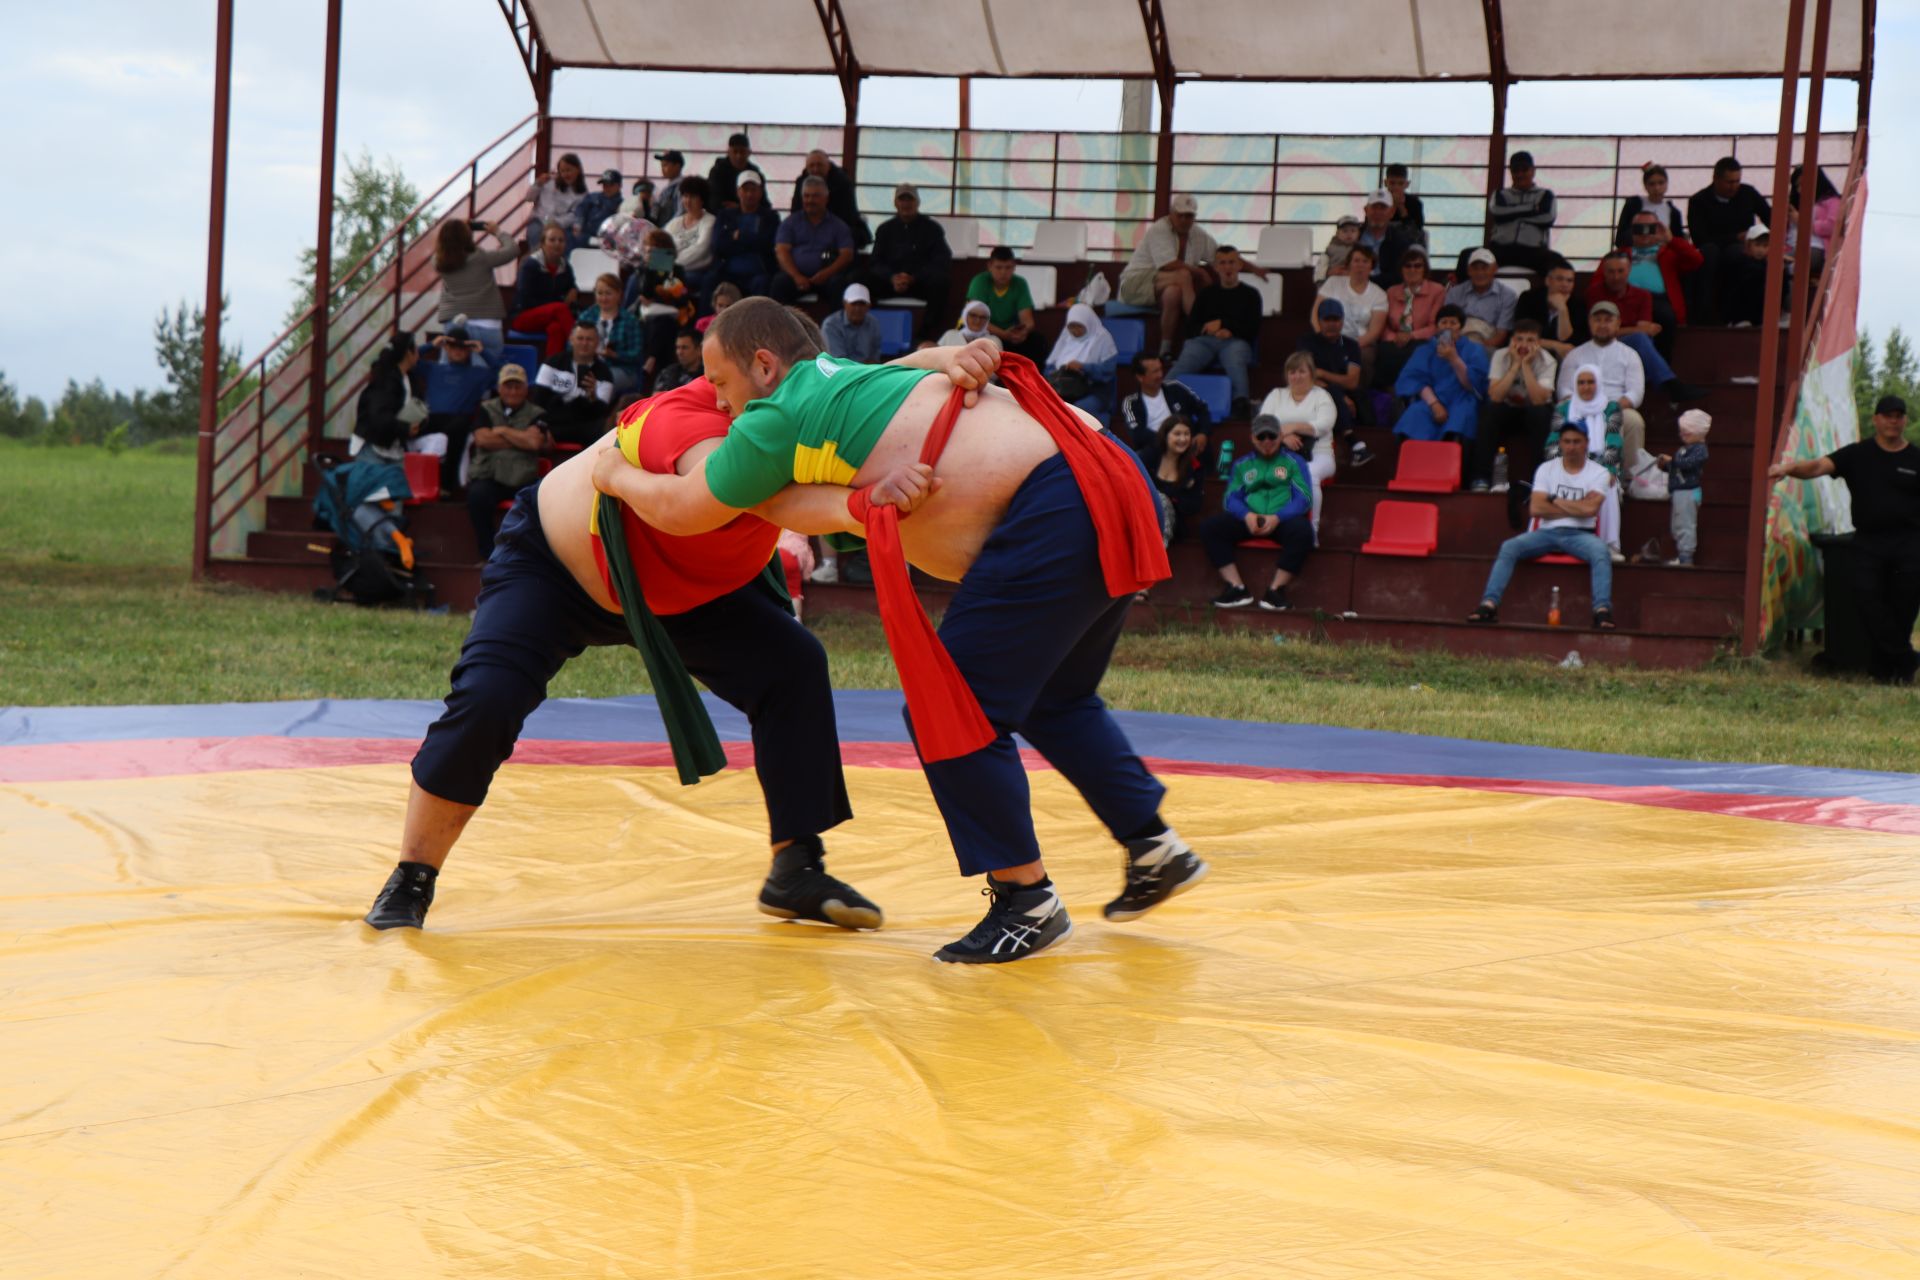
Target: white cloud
x=123, y=73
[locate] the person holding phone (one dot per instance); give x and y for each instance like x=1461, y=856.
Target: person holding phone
x=575, y=389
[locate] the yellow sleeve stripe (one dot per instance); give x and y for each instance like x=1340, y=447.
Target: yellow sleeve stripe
x=821, y=464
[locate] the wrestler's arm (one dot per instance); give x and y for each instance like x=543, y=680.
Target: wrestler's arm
x=971, y=366
x=677, y=504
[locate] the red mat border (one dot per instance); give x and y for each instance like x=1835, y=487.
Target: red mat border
x=172, y=757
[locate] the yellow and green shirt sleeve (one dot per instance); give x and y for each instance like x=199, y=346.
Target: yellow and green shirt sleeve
x=817, y=427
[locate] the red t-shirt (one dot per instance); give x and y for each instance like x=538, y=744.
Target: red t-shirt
x=1635, y=308
x=682, y=573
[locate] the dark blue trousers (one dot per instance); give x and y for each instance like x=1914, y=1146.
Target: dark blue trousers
x=532, y=617
x=1032, y=629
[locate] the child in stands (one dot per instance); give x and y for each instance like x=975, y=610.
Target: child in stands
x=1683, y=468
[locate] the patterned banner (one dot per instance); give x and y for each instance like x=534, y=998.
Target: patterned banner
x=1793, y=587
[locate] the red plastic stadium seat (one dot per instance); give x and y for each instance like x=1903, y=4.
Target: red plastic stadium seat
x=423, y=477
x=1427, y=466
x=1556, y=558
x=1404, y=529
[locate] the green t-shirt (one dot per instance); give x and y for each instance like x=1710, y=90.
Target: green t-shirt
x=1003, y=309
x=817, y=427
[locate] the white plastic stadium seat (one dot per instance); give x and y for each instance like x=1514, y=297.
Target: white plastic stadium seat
x=963, y=236
x=1044, y=281
x=1059, y=242
x=1283, y=248
x=589, y=265
x=1269, y=292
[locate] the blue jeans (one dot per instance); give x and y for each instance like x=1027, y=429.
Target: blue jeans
x=1659, y=372
x=1541, y=542
x=1233, y=355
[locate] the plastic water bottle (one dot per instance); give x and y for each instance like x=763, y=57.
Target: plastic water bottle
x=1553, y=608
x=1226, y=460
x=1500, y=470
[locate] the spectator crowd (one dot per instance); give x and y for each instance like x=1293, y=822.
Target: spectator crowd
x=1543, y=386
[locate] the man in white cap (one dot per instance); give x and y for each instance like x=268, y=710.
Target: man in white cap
x=1488, y=303
x=850, y=334
x=1388, y=239
x=1169, y=268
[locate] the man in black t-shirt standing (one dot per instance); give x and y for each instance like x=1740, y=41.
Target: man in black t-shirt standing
x=1883, y=478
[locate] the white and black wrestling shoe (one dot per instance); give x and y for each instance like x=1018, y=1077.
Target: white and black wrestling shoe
x=1158, y=867
x=1022, y=920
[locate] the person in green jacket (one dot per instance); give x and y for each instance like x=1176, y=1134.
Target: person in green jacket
x=1269, y=495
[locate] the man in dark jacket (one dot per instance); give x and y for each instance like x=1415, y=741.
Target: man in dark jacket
x=596, y=207
x=575, y=390
x=1720, y=215
x=743, y=238
x=842, y=201
x=1158, y=399
x=724, y=177
x=911, y=258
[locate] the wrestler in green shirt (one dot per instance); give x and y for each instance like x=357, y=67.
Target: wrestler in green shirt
x=817, y=427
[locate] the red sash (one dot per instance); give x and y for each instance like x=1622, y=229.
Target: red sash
x=947, y=720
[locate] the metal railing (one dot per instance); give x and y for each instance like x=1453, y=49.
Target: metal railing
x=261, y=444
x=1012, y=180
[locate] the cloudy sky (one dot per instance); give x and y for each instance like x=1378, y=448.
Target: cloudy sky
x=116, y=96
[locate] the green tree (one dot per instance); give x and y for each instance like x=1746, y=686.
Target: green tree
x=1899, y=368
x=90, y=414
x=374, y=200
x=1866, y=378
x=179, y=342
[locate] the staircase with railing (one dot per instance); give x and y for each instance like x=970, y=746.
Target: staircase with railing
x=262, y=445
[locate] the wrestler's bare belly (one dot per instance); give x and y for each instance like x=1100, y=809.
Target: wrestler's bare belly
x=993, y=447
x=566, y=498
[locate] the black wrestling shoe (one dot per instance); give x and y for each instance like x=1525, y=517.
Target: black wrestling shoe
x=1158, y=868
x=799, y=888
x=1022, y=920
x=403, y=903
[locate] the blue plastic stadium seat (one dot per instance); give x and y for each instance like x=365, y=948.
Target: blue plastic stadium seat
x=527, y=357
x=1116, y=308
x=896, y=330
x=538, y=341
x=1129, y=336
x=1214, y=391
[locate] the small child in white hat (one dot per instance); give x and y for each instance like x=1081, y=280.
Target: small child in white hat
x=1684, y=467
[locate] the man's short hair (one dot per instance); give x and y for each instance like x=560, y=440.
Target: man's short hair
x=588, y=325
x=1453, y=311
x=811, y=181
x=1558, y=263
x=1726, y=165
x=1618, y=255
x=1363, y=251
x=1527, y=324
x=1396, y=170
x=738, y=140
x=1139, y=362
x=1223, y=250
x=1001, y=253
x=761, y=324
x=688, y=331
x=809, y=326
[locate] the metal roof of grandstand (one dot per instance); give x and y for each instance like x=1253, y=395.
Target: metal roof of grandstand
x=1343, y=41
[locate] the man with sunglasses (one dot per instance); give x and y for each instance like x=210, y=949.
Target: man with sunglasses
x=1640, y=328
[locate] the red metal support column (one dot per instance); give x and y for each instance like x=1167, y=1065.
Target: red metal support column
x=1801, y=324
x=1498, y=81
x=846, y=68
x=1767, y=409
x=323, y=235
x=543, y=104
x=1864, y=103
x=210, y=370
x=1154, y=18
x=850, y=132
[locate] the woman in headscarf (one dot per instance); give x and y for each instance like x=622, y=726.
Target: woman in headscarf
x=1601, y=418
x=974, y=325
x=1082, y=361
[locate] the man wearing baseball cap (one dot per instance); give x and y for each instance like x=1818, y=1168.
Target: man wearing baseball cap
x=1487, y=304
x=850, y=333
x=1883, y=478
x=1169, y=268
x=1522, y=216
x=910, y=260
x=1386, y=238
x=726, y=171
x=666, y=197
x=597, y=206
x=509, y=435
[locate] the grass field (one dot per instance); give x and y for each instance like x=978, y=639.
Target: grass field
x=96, y=607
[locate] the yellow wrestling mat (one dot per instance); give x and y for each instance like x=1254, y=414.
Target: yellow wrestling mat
x=1401, y=1031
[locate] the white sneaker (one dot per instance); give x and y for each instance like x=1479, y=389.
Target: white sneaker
x=1618, y=556
x=827, y=571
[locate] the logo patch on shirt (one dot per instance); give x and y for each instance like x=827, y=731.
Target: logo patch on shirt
x=824, y=363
